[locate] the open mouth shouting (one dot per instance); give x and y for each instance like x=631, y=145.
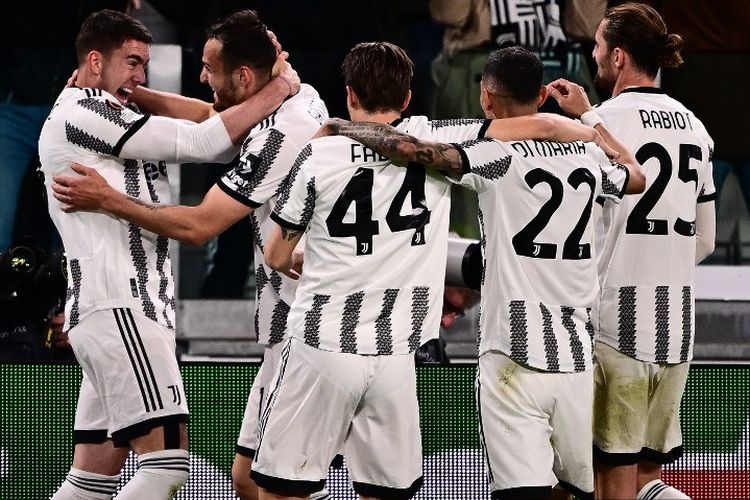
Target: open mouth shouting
x=123, y=94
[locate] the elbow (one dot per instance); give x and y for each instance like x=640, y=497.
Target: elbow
x=195, y=237
x=277, y=261
x=637, y=181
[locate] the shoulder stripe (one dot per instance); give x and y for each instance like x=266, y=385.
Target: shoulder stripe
x=76, y=136
x=134, y=127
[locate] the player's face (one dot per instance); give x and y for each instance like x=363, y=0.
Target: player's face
x=605, y=69
x=215, y=75
x=124, y=69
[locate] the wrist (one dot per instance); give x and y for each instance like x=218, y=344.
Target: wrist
x=591, y=118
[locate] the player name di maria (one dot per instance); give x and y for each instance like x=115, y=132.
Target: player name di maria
x=546, y=148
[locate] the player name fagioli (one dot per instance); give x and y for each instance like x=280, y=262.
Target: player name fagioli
x=362, y=153
x=546, y=148
x=652, y=118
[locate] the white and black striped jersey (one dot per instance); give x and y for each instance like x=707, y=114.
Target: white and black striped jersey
x=111, y=263
x=539, y=278
x=376, y=243
x=265, y=160
x=646, y=308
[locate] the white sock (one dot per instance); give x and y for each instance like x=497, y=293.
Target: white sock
x=658, y=490
x=82, y=485
x=321, y=495
x=160, y=476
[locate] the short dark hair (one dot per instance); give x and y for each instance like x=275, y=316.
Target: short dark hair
x=106, y=30
x=514, y=72
x=641, y=31
x=244, y=41
x=380, y=74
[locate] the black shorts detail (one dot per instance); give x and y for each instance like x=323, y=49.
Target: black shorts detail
x=660, y=457
x=657, y=457
x=338, y=462
x=123, y=437
x=386, y=493
x=523, y=493
x=577, y=492
x=614, y=459
x=245, y=452
x=286, y=487
x=89, y=436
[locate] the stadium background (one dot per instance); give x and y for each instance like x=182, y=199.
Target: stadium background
x=37, y=404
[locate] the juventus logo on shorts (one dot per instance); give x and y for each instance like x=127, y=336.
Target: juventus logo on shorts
x=176, y=396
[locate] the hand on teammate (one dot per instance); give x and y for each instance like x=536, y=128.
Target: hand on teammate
x=55, y=334
x=80, y=192
x=570, y=96
x=282, y=68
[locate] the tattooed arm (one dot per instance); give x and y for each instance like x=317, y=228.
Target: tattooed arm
x=400, y=147
x=279, y=251
x=89, y=191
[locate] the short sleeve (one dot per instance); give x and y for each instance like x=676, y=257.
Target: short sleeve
x=264, y=162
x=707, y=190
x=296, y=202
x=484, y=161
x=100, y=124
x=615, y=176
x=459, y=130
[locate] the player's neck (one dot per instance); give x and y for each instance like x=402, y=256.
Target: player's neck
x=358, y=115
x=632, y=79
x=512, y=110
x=86, y=79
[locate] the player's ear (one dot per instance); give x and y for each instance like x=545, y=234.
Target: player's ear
x=351, y=98
x=619, y=57
x=485, y=101
x=407, y=99
x=543, y=94
x=246, y=76
x=95, y=61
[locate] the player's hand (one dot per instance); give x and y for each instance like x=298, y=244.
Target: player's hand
x=85, y=191
x=275, y=42
x=455, y=302
x=72, y=80
x=282, y=69
x=330, y=127
x=55, y=334
x=570, y=96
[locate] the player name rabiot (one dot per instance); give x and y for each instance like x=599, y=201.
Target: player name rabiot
x=651, y=118
x=546, y=148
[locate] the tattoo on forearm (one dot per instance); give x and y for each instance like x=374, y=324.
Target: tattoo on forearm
x=289, y=234
x=150, y=206
x=387, y=141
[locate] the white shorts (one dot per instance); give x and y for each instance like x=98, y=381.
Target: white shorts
x=534, y=427
x=636, y=408
x=131, y=380
x=247, y=442
x=322, y=402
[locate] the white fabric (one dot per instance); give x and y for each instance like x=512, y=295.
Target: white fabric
x=534, y=423
x=248, y=437
x=540, y=279
x=324, y=402
x=110, y=263
x=266, y=157
x=658, y=490
x=182, y=141
x=83, y=485
x=398, y=307
x=636, y=403
x=160, y=476
x=646, y=307
x=130, y=361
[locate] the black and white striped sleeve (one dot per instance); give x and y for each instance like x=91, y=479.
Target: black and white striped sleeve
x=296, y=202
x=485, y=161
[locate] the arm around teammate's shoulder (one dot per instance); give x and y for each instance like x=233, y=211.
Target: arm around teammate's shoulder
x=636, y=177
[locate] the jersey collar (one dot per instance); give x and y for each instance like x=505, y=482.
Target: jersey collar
x=643, y=90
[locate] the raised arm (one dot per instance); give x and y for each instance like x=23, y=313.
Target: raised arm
x=195, y=225
x=574, y=101
x=172, y=105
x=399, y=147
